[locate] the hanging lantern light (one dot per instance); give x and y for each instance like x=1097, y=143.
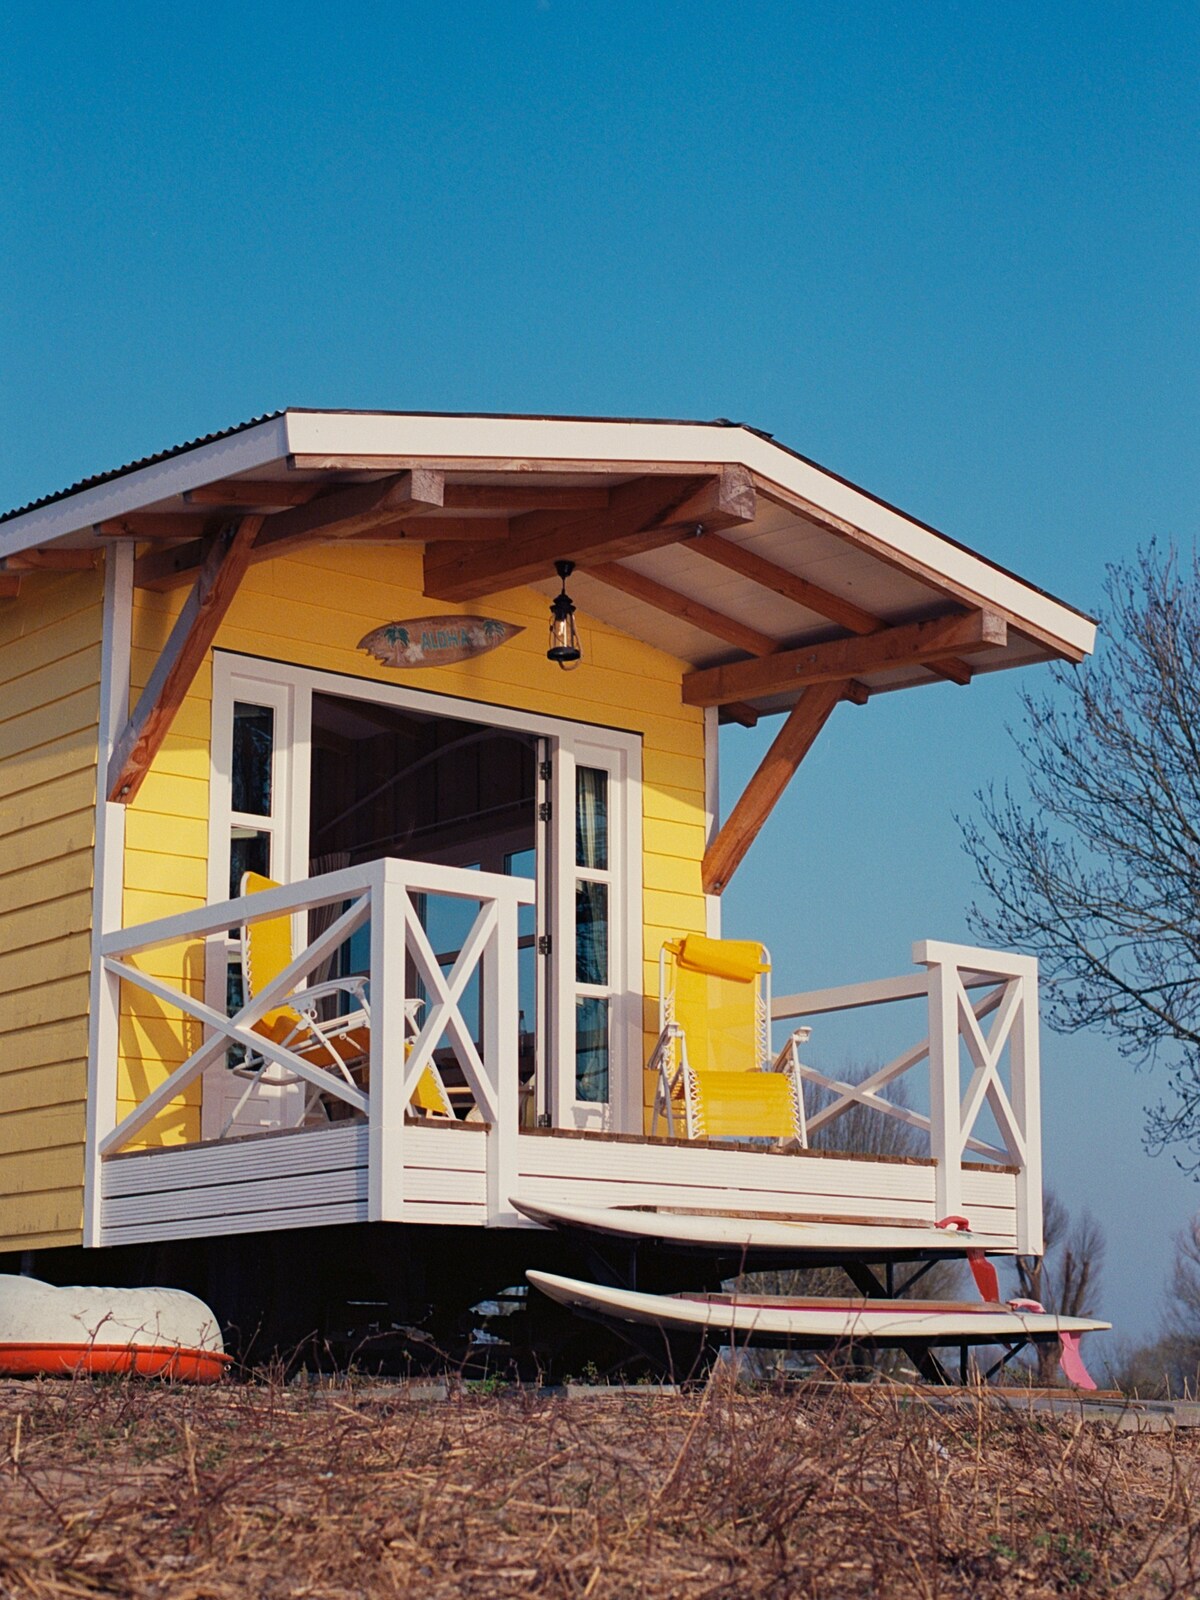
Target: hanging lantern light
x=564, y=635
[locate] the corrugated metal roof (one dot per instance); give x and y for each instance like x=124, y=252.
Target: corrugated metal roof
x=132, y=466
x=346, y=411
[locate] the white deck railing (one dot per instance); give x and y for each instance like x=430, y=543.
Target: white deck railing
x=381, y=894
x=1009, y=998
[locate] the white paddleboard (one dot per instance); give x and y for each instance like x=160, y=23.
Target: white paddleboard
x=805, y=1319
x=868, y=1241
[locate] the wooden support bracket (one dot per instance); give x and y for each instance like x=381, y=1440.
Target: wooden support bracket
x=193, y=633
x=792, y=743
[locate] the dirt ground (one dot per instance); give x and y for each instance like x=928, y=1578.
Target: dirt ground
x=262, y=1490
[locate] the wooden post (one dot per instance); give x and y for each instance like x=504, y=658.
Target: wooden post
x=193, y=633
x=385, y=1114
x=792, y=743
x=500, y=1054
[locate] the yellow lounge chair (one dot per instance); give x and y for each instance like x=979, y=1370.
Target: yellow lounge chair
x=341, y=1044
x=712, y=1066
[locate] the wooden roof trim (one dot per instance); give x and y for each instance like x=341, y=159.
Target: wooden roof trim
x=911, y=644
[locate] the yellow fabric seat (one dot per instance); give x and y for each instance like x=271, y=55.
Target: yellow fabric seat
x=712, y=1066
x=341, y=1044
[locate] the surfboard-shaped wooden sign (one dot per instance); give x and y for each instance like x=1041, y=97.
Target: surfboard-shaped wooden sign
x=436, y=641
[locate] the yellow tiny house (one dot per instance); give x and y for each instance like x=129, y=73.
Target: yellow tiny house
x=314, y=649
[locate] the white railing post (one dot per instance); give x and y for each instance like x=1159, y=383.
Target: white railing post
x=501, y=1022
x=945, y=1131
x=1024, y=1059
x=385, y=1113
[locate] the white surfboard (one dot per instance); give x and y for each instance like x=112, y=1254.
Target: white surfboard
x=716, y=1230
x=807, y=1320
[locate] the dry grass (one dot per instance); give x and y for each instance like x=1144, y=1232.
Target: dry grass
x=257, y=1490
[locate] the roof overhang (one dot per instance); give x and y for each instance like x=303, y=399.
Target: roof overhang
x=762, y=571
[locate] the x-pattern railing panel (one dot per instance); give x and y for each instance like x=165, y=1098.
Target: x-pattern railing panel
x=985, y=1052
x=383, y=894
x=867, y=1092
x=955, y=1022
x=238, y=1029
x=445, y=992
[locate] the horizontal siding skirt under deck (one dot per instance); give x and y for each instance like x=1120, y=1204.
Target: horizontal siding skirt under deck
x=319, y=1177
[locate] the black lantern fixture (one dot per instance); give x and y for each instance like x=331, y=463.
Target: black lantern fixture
x=564, y=635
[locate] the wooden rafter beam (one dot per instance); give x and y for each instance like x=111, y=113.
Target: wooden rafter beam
x=770, y=575
x=674, y=604
x=185, y=650
x=737, y=711
x=348, y=512
x=53, y=561
x=153, y=525
x=431, y=529
x=340, y=515
x=512, y=498
x=644, y=514
x=912, y=644
x=269, y=494
x=502, y=499
x=791, y=744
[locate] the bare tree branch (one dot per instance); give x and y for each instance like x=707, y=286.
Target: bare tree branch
x=1097, y=873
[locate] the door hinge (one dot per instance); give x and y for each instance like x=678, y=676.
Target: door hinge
x=545, y=771
x=545, y=811
x=543, y=944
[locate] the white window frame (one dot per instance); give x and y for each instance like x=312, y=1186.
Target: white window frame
x=289, y=689
x=278, y=1105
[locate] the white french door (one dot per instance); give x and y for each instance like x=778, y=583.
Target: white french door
x=580, y=953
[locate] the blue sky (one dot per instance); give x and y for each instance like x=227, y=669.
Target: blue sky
x=949, y=252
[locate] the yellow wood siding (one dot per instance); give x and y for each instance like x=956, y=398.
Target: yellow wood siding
x=49, y=713
x=311, y=609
